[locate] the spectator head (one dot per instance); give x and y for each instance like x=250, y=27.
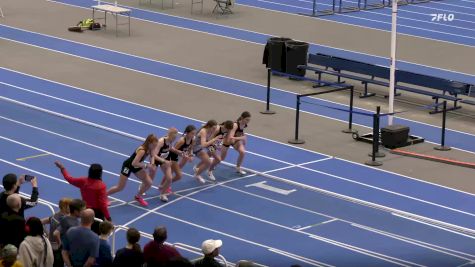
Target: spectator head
x=64, y=205
x=211, y=247
x=133, y=237
x=244, y=263
x=105, y=228
x=9, y=255
x=160, y=234
x=95, y=171
x=10, y=182
x=76, y=206
x=14, y=202
x=34, y=227
x=87, y=217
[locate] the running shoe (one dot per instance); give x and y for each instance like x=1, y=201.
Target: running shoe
x=195, y=168
x=141, y=201
x=163, y=198
x=200, y=179
x=211, y=176
x=240, y=171
x=169, y=190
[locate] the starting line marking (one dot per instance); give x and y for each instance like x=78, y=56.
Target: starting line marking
x=262, y=185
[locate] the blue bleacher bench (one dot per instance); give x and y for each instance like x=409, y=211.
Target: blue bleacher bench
x=366, y=73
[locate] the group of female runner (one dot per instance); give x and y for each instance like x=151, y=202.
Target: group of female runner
x=212, y=140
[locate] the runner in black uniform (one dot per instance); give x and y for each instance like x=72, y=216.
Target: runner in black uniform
x=223, y=130
x=182, y=149
x=161, y=154
x=202, y=141
x=237, y=139
x=135, y=164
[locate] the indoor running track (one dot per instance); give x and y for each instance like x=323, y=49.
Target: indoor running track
x=415, y=20
x=299, y=206
x=455, y=139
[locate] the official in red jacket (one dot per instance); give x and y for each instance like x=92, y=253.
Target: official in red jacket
x=93, y=189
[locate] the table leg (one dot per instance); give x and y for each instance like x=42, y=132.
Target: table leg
x=129, y=24
x=116, y=18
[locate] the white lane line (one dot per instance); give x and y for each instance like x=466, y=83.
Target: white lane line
x=155, y=212
x=423, y=244
x=318, y=224
x=383, y=22
x=408, y=239
x=422, y=221
x=175, y=199
x=309, y=169
x=278, y=178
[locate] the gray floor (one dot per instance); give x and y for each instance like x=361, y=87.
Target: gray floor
x=240, y=60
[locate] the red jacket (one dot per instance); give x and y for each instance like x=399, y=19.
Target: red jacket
x=93, y=192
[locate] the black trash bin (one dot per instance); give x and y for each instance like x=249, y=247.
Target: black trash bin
x=274, y=53
x=295, y=54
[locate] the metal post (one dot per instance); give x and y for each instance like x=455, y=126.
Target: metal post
x=442, y=146
x=392, y=69
x=116, y=24
x=375, y=149
x=350, y=118
x=378, y=153
x=268, y=111
x=296, y=140
x=314, y=9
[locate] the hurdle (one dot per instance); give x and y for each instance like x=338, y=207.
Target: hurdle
x=338, y=7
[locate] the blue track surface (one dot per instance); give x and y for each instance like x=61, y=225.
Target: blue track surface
x=261, y=38
x=223, y=84
x=307, y=226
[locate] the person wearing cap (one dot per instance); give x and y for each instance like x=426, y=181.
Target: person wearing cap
x=93, y=190
x=9, y=257
x=210, y=250
x=11, y=184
